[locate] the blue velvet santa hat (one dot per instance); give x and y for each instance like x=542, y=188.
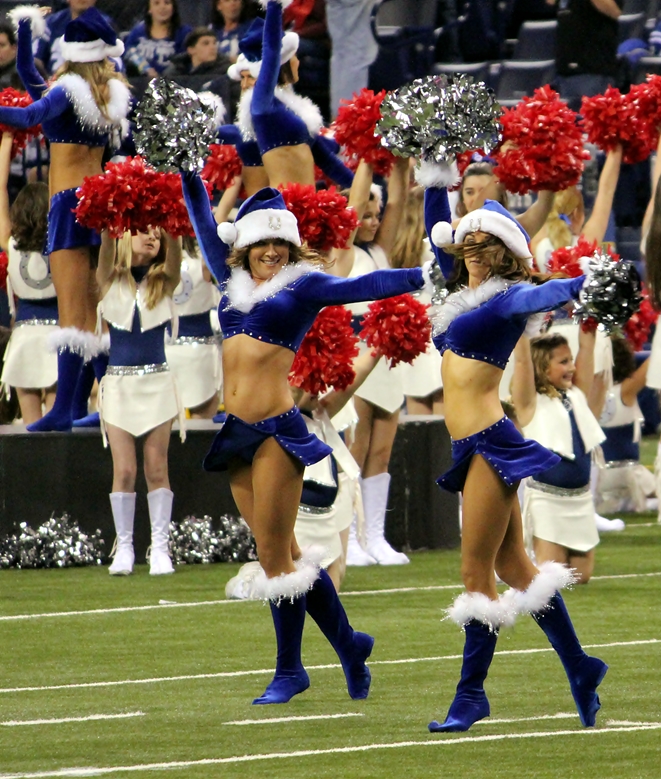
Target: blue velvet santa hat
x=492, y=218
x=250, y=48
x=90, y=38
x=262, y=217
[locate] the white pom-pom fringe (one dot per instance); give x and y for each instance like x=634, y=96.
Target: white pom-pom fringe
x=441, y=234
x=31, y=12
x=227, y=233
x=74, y=340
x=477, y=606
x=283, y=3
x=436, y=174
x=551, y=577
x=287, y=586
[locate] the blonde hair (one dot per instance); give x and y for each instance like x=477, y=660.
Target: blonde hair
x=564, y=203
x=407, y=251
x=240, y=258
x=97, y=75
x=157, y=278
x=541, y=351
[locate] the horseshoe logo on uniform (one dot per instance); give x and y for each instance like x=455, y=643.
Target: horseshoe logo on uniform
x=24, y=270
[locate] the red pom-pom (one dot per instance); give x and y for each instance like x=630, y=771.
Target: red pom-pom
x=546, y=145
x=398, y=328
x=132, y=197
x=223, y=165
x=637, y=329
x=4, y=262
x=324, y=221
x=566, y=258
x=14, y=99
x=355, y=129
x=325, y=356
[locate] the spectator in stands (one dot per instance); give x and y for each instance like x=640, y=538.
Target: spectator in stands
x=49, y=48
x=156, y=39
x=7, y=54
x=201, y=57
x=230, y=20
x=586, y=47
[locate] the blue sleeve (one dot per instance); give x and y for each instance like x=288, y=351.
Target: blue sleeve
x=29, y=75
x=229, y=134
x=44, y=44
x=526, y=299
x=213, y=249
x=326, y=290
x=437, y=209
x=52, y=104
x=267, y=80
x=324, y=153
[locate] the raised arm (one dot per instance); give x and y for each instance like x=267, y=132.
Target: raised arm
x=172, y=264
x=524, y=394
x=584, y=362
x=267, y=80
x=106, y=264
x=227, y=200
x=214, y=251
x=595, y=227
x=632, y=385
x=533, y=219
x=52, y=104
x=5, y=162
x=398, y=187
x=437, y=209
x=30, y=76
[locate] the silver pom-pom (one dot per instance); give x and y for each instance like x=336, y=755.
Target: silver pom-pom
x=174, y=128
x=195, y=541
x=58, y=543
x=611, y=294
x=438, y=117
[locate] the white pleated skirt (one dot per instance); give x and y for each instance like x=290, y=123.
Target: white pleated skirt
x=565, y=520
x=28, y=362
x=198, y=370
x=384, y=386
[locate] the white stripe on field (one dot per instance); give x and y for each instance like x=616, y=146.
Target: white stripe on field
x=560, y=715
x=430, y=742
x=291, y=719
x=89, y=718
x=224, y=602
x=262, y=671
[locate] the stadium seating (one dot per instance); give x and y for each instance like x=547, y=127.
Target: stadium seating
x=536, y=41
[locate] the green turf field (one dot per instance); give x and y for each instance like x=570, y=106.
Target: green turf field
x=172, y=668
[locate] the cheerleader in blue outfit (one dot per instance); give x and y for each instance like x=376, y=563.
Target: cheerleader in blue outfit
x=80, y=112
x=476, y=329
x=272, y=291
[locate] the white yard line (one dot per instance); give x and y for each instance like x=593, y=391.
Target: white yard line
x=432, y=741
x=269, y=671
x=271, y=720
x=89, y=718
x=560, y=715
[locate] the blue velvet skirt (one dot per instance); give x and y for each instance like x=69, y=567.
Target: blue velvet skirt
x=512, y=456
x=64, y=232
x=242, y=439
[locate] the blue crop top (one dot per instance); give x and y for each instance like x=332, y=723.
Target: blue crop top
x=284, y=317
x=248, y=151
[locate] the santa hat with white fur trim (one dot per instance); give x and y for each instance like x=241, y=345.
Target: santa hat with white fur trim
x=250, y=47
x=262, y=217
x=89, y=38
x=492, y=218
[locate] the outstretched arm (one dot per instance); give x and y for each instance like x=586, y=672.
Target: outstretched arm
x=526, y=299
x=5, y=162
x=52, y=104
x=322, y=289
x=30, y=76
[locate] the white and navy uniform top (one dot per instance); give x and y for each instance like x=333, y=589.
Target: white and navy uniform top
x=622, y=427
x=195, y=298
x=30, y=287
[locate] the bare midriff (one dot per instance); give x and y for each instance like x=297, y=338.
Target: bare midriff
x=289, y=165
x=470, y=394
x=254, y=179
x=255, y=378
x=70, y=163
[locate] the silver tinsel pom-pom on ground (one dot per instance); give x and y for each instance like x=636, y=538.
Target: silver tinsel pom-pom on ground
x=438, y=117
x=612, y=293
x=174, y=128
x=58, y=543
x=195, y=540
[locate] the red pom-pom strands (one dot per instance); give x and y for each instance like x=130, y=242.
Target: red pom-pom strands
x=355, y=130
x=131, y=197
x=637, y=329
x=567, y=259
x=223, y=165
x=4, y=264
x=398, y=328
x=14, y=99
x=324, y=221
x=325, y=357
x=542, y=145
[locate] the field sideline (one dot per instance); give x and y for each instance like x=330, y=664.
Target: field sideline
x=135, y=676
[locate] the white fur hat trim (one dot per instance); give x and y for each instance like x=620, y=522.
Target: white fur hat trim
x=283, y=3
x=503, y=227
x=266, y=224
x=551, y=577
x=90, y=51
x=74, y=340
x=477, y=606
x=31, y=12
x=441, y=234
x=289, y=47
x=436, y=174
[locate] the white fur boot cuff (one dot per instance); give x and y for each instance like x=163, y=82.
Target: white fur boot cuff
x=551, y=577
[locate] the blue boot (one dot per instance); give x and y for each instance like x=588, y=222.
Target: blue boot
x=94, y=369
x=290, y=676
x=353, y=648
x=69, y=365
x=584, y=672
x=470, y=702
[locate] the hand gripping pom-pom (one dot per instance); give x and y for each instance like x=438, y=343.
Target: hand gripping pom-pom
x=324, y=221
x=437, y=118
x=12, y=98
x=227, y=233
x=355, y=130
x=441, y=234
x=637, y=329
x=223, y=165
x=397, y=328
x=542, y=145
x=611, y=294
x=174, y=128
x=325, y=357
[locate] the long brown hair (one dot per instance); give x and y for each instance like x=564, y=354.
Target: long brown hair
x=407, y=251
x=653, y=252
x=503, y=263
x=239, y=258
x=541, y=351
x=97, y=74
x=157, y=278
x=28, y=217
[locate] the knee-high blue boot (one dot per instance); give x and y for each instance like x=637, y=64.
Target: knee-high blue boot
x=584, y=672
x=290, y=676
x=97, y=370
x=353, y=648
x=82, y=393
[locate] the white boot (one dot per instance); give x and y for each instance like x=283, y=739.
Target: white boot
x=356, y=555
x=160, y=512
x=123, y=514
x=375, y=502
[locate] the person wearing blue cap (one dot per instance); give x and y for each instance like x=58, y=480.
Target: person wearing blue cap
x=83, y=109
x=272, y=289
x=493, y=295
